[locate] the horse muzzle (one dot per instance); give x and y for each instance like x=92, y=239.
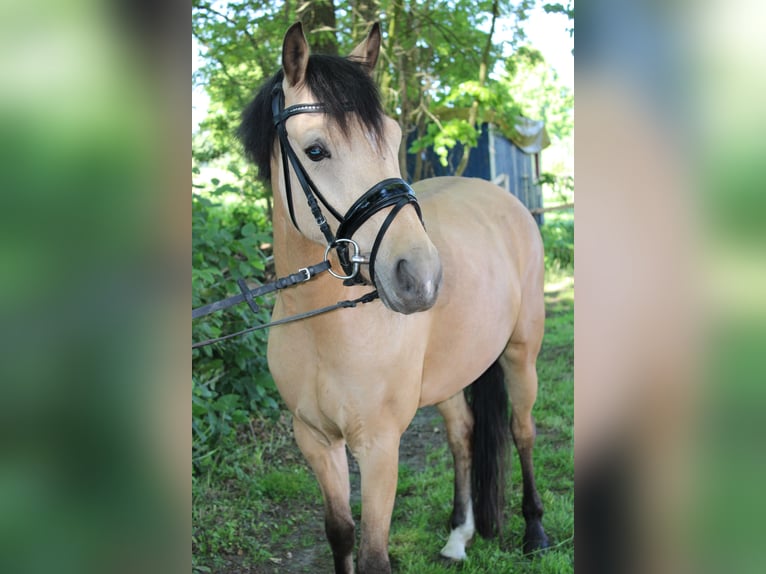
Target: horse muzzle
x=411, y=284
x=409, y=274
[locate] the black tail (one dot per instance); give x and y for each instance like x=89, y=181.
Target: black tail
x=488, y=399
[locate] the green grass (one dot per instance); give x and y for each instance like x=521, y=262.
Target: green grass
x=237, y=523
x=260, y=510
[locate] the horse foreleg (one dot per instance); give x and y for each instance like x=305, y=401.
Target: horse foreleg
x=522, y=389
x=459, y=420
x=330, y=465
x=378, y=457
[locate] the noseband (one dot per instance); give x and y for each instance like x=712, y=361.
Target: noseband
x=387, y=193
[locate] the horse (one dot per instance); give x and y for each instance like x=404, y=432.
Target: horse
x=457, y=268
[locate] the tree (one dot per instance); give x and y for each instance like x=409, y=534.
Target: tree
x=437, y=61
x=538, y=92
x=567, y=10
x=473, y=115
x=318, y=17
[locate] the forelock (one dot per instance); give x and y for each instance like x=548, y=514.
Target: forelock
x=342, y=85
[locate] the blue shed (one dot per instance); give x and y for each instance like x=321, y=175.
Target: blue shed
x=512, y=163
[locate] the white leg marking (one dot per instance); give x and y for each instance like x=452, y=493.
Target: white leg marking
x=459, y=537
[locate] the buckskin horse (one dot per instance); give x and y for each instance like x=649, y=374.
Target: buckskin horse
x=457, y=264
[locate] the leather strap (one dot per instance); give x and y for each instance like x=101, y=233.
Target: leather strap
x=390, y=192
x=393, y=191
x=382, y=232
x=300, y=276
x=366, y=298
x=280, y=117
x=381, y=195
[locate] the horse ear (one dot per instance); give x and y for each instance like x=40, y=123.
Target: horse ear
x=295, y=54
x=367, y=51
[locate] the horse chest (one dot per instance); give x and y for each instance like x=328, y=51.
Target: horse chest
x=324, y=377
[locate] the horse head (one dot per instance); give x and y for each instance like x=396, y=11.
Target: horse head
x=329, y=139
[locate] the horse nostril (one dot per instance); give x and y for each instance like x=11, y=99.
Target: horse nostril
x=416, y=283
x=413, y=284
x=404, y=276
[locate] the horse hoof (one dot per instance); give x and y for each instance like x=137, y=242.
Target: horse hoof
x=453, y=553
x=535, y=540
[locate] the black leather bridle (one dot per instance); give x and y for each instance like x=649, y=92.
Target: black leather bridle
x=393, y=192
x=387, y=193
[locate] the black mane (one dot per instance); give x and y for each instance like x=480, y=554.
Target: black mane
x=335, y=82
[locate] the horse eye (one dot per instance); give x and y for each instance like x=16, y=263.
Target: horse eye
x=316, y=152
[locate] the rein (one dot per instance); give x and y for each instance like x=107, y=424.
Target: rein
x=392, y=192
x=247, y=295
x=366, y=298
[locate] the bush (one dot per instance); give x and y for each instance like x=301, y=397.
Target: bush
x=230, y=379
x=558, y=240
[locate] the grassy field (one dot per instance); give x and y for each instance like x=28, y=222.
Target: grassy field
x=258, y=510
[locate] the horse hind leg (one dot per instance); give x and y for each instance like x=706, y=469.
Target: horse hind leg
x=459, y=421
x=518, y=363
x=330, y=465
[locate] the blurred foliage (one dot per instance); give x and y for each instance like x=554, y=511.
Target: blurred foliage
x=231, y=235
x=538, y=94
x=561, y=186
x=567, y=10
x=558, y=240
x=558, y=229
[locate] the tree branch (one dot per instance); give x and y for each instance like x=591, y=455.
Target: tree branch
x=236, y=24
x=473, y=115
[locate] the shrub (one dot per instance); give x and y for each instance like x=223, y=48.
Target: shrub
x=558, y=240
x=230, y=379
